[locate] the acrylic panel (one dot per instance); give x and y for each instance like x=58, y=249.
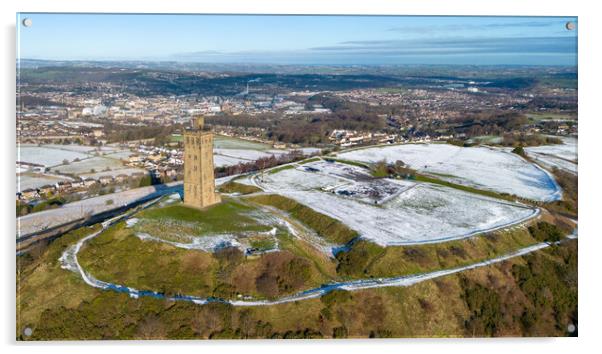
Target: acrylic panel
x=275, y=176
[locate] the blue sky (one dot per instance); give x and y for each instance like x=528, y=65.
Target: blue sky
x=300, y=39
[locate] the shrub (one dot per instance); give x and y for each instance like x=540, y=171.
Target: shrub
x=145, y=181
x=546, y=232
x=380, y=169
x=381, y=333
x=339, y=332
x=48, y=204
x=229, y=256
x=353, y=262
x=336, y=297
x=548, y=284
x=282, y=273
x=485, y=309
x=519, y=150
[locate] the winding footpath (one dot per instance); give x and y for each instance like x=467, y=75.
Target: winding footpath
x=69, y=261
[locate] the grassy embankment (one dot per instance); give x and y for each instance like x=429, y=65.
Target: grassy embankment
x=280, y=168
x=119, y=256
x=531, y=295
x=330, y=229
x=42, y=284
x=486, y=193
x=366, y=259
x=569, y=205
x=481, y=302
x=348, y=162
x=234, y=187
x=230, y=216
x=313, y=159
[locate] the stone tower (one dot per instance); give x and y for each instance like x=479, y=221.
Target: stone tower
x=199, y=181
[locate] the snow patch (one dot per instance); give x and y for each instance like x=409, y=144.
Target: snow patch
x=479, y=167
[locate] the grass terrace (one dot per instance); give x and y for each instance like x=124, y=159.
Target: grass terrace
x=367, y=259
x=332, y=230
x=230, y=216
x=120, y=257
x=234, y=187
x=486, y=193
x=279, y=169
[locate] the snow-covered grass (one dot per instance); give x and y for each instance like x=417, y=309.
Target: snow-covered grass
x=37, y=180
x=310, y=150
x=479, y=167
x=567, y=150
x=229, y=224
x=53, y=154
x=551, y=162
x=97, y=163
x=250, y=155
x=126, y=171
x=47, y=156
x=228, y=151
x=562, y=156
x=120, y=154
x=223, y=161
x=80, y=148
x=226, y=142
x=410, y=214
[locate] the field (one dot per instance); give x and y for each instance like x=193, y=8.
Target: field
x=88, y=165
x=47, y=156
x=223, y=161
x=485, y=139
x=563, y=156
x=228, y=224
x=479, y=167
x=391, y=212
x=119, y=155
x=114, y=172
x=81, y=160
x=538, y=116
x=228, y=250
x=226, y=142
x=228, y=151
x=250, y=155
x=36, y=180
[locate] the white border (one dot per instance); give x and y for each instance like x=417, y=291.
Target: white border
x=590, y=132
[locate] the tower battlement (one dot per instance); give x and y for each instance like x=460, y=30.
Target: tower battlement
x=199, y=179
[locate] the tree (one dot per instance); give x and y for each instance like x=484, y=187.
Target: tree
x=544, y=231
x=519, y=150
x=339, y=332
x=380, y=169
x=145, y=181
